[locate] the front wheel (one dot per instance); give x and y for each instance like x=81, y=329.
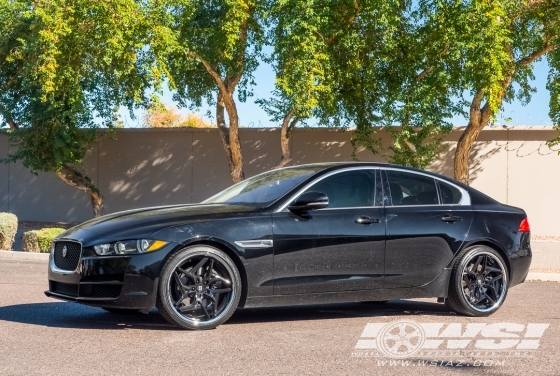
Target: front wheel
x=479, y=282
x=200, y=288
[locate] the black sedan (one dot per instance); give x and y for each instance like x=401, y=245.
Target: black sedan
x=319, y=233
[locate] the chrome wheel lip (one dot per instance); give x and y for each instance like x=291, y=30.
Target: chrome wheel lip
x=198, y=322
x=503, y=292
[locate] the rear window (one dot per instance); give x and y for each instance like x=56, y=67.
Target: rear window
x=449, y=194
x=411, y=189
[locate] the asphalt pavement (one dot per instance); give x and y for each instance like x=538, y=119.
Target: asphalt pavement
x=43, y=336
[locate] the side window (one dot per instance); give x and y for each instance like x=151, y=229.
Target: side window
x=411, y=189
x=348, y=189
x=449, y=194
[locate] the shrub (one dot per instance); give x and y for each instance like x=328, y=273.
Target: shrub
x=40, y=240
x=29, y=242
x=46, y=236
x=8, y=229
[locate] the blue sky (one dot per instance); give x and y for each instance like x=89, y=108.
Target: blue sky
x=251, y=115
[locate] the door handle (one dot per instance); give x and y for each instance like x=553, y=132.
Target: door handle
x=364, y=220
x=451, y=218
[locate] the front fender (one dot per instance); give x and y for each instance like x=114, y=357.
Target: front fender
x=257, y=262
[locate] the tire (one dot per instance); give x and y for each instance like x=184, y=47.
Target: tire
x=121, y=311
x=479, y=282
x=200, y=288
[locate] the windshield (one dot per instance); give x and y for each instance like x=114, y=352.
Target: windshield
x=265, y=188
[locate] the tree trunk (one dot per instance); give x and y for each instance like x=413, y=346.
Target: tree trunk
x=285, y=132
x=230, y=135
x=478, y=119
x=77, y=179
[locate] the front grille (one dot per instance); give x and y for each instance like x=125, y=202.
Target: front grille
x=67, y=260
x=106, y=291
x=100, y=291
x=64, y=288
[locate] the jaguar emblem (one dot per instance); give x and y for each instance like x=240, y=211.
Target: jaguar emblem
x=64, y=251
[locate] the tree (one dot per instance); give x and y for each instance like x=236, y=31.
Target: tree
x=65, y=66
x=362, y=64
x=212, y=49
x=396, y=75
x=160, y=115
x=302, y=64
x=502, y=41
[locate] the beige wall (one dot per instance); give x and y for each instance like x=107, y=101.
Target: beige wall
x=148, y=167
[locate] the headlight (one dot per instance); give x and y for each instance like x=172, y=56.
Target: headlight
x=129, y=247
x=103, y=249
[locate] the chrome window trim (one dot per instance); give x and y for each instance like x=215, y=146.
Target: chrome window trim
x=52, y=265
x=309, y=185
x=465, y=197
x=352, y=207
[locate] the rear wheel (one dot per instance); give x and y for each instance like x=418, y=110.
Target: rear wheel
x=479, y=282
x=200, y=288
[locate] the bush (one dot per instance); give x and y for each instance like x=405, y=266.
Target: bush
x=41, y=240
x=46, y=236
x=8, y=229
x=29, y=242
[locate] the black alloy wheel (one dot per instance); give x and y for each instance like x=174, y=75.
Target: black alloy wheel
x=200, y=288
x=479, y=282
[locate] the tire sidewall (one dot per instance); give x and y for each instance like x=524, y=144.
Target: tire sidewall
x=179, y=258
x=463, y=261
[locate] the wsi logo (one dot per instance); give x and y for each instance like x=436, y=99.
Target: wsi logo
x=404, y=338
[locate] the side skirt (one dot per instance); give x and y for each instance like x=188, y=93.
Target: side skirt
x=435, y=289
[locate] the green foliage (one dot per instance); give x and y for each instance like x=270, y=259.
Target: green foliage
x=226, y=34
x=8, y=229
x=553, y=85
x=159, y=115
x=364, y=65
x=494, y=44
x=46, y=236
x=29, y=242
x=40, y=240
x=65, y=66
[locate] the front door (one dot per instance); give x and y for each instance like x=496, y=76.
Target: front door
x=338, y=248
x=425, y=228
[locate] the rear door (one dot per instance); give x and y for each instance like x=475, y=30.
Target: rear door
x=427, y=221
x=338, y=248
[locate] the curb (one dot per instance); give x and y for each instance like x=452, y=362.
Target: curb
x=23, y=256
x=543, y=277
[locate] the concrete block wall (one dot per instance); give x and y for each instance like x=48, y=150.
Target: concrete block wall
x=150, y=167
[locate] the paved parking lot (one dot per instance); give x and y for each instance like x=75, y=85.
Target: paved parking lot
x=44, y=336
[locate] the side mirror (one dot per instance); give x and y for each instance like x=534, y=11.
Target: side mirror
x=309, y=201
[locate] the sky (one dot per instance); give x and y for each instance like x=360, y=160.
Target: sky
x=251, y=115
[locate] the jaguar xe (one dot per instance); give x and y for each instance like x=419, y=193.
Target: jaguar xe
x=318, y=233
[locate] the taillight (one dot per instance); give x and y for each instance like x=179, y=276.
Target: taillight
x=524, y=226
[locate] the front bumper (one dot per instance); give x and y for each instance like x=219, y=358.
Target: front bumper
x=112, y=281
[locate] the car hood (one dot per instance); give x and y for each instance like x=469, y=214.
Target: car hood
x=141, y=223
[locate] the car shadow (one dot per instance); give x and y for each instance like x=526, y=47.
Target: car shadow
x=77, y=316
x=72, y=315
